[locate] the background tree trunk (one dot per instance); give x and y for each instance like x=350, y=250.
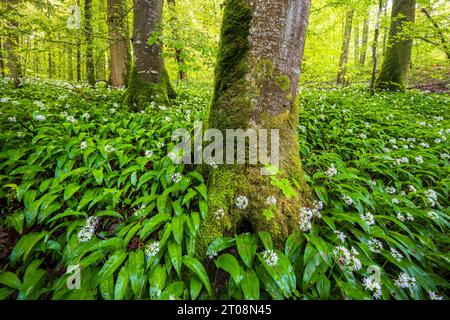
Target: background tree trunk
x=2, y=61
x=345, y=46
x=256, y=81
x=12, y=46
x=119, y=43
x=70, y=63
x=374, y=47
x=356, y=43
x=149, y=77
x=90, y=69
x=365, y=41
x=178, y=51
x=398, y=52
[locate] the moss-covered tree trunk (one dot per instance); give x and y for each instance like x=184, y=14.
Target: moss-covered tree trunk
x=256, y=81
x=12, y=46
x=343, y=60
x=149, y=79
x=119, y=43
x=398, y=52
x=90, y=70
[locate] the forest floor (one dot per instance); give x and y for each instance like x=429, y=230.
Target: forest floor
x=379, y=165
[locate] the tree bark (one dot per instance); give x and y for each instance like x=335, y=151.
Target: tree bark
x=398, y=52
x=365, y=41
x=356, y=43
x=374, y=47
x=2, y=61
x=256, y=81
x=12, y=46
x=90, y=69
x=119, y=43
x=69, y=63
x=178, y=51
x=345, y=46
x=149, y=77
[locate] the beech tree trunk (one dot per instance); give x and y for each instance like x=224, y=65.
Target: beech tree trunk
x=356, y=43
x=119, y=43
x=374, y=48
x=178, y=51
x=365, y=41
x=2, y=60
x=149, y=79
x=256, y=81
x=90, y=70
x=345, y=47
x=398, y=52
x=11, y=46
x=70, y=63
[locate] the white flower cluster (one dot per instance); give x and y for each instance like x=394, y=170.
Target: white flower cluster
x=39, y=117
x=347, y=259
x=220, y=213
x=175, y=177
x=270, y=257
x=402, y=217
x=425, y=145
x=139, y=212
x=83, y=145
x=368, y=218
x=432, y=215
x=307, y=214
x=211, y=254
x=372, y=285
x=241, y=202
x=395, y=201
x=404, y=281
x=348, y=201
x=340, y=235
x=271, y=201
x=375, y=245
x=86, y=116
x=391, y=190
x=431, y=197
x=109, y=148
x=434, y=296
x=401, y=160
x=71, y=119
x=148, y=153
x=331, y=171
x=87, y=232
x=445, y=156
x=12, y=119
x=396, y=254
x=152, y=249
x=419, y=159
x=39, y=104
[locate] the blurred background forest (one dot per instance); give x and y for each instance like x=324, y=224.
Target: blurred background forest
x=49, y=47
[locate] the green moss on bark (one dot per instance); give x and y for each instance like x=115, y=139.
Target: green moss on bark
x=139, y=93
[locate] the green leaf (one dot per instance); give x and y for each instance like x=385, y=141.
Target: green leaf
x=195, y=287
x=152, y=224
x=157, y=281
x=175, y=253
x=70, y=190
x=247, y=245
x=229, y=263
x=195, y=266
x=110, y=266
x=250, y=285
x=10, y=279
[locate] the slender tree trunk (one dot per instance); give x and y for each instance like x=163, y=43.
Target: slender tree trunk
x=100, y=67
x=2, y=61
x=90, y=69
x=374, y=48
x=385, y=34
x=345, y=47
x=256, y=81
x=356, y=43
x=398, y=53
x=78, y=52
x=119, y=43
x=50, y=65
x=365, y=41
x=178, y=51
x=12, y=46
x=70, y=63
x=444, y=41
x=149, y=79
